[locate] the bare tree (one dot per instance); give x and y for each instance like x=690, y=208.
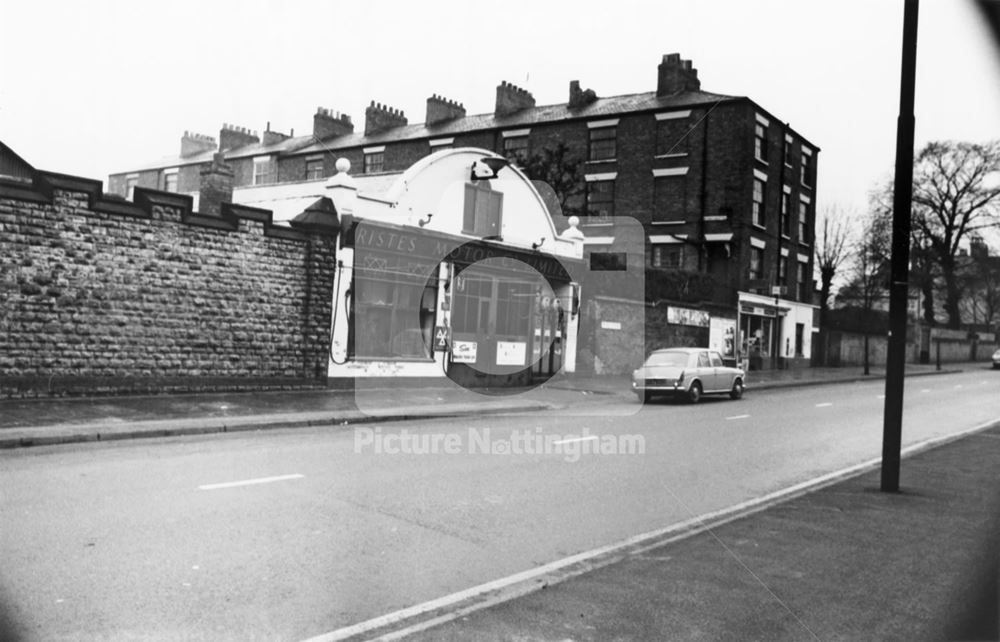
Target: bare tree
x=956, y=193
x=561, y=171
x=833, y=248
x=869, y=271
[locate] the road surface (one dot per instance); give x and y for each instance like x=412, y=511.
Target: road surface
x=289, y=534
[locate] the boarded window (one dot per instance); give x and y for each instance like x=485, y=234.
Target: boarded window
x=669, y=198
x=483, y=210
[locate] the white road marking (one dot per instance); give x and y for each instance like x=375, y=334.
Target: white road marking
x=958, y=385
x=249, y=482
x=925, y=390
x=880, y=396
x=575, y=439
x=823, y=405
x=737, y=417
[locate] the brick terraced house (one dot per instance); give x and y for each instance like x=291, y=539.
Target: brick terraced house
x=724, y=190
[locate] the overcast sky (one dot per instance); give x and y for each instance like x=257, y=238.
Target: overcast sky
x=90, y=88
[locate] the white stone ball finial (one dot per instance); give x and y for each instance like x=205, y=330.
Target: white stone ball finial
x=343, y=165
x=573, y=232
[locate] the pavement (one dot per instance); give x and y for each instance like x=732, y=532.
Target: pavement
x=845, y=562
x=837, y=559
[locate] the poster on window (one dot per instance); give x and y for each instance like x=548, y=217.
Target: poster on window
x=722, y=336
x=511, y=353
x=463, y=351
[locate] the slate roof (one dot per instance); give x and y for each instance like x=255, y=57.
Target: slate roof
x=602, y=107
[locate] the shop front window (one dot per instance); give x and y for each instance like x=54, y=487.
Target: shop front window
x=755, y=335
x=393, y=319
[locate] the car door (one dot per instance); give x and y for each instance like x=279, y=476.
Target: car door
x=721, y=379
x=705, y=372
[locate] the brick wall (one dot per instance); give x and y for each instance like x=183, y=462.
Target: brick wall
x=105, y=296
x=617, y=334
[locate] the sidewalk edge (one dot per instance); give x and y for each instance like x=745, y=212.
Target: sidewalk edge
x=349, y=418
x=407, y=621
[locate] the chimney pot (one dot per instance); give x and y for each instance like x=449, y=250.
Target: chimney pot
x=675, y=75
x=379, y=118
x=328, y=123
x=511, y=99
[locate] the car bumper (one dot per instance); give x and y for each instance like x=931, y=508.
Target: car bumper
x=668, y=389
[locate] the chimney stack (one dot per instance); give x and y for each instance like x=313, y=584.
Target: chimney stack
x=272, y=137
x=192, y=144
x=978, y=248
x=675, y=76
x=330, y=124
x=233, y=136
x=216, y=186
x=379, y=118
x=511, y=98
x=440, y=109
x=579, y=98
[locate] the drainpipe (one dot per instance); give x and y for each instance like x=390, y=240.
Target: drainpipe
x=775, y=345
x=703, y=198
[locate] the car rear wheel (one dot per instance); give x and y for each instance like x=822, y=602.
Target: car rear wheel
x=737, y=391
x=694, y=394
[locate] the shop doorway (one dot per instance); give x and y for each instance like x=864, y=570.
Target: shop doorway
x=505, y=324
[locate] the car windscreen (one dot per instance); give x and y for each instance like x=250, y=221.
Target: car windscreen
x=679, y=359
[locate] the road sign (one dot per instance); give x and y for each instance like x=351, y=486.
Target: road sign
x=442, y=338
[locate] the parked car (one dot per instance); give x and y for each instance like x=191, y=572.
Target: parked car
x=686, y=373
x=996, y=359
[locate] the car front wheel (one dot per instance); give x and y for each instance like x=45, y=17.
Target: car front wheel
x=737, y=391
x=694, y=394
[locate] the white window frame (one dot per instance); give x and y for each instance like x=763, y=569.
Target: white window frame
x=260, y=161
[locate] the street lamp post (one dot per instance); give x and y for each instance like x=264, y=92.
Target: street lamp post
x=892, y=429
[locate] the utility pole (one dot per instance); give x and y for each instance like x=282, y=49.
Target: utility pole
x=902, y=201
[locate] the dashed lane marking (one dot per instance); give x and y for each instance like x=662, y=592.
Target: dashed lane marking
x=737, y=417
x=575, y=439
x=250, y=482
x=823, y=405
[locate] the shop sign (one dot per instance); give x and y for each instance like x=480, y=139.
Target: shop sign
x=426, y=250
x=687, y=316
x=611, y=325
x=463, y=351
x=511, y=353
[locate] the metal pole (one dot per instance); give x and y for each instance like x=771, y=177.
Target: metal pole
x=892, y=429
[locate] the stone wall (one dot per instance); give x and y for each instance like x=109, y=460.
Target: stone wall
x=848, y=349
x=109, y=296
